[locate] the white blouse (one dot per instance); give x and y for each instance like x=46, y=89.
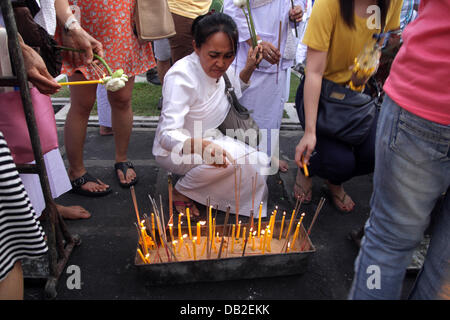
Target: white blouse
x=193, y=103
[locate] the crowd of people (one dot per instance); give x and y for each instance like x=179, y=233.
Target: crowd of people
x=406, y=146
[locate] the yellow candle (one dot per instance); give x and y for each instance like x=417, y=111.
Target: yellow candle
x=288, y=247
x=171, y=232
x=187, y=249
x=204, y=247
x=243, y=237
x=199, y=239
x=189, y=223
x=179, y=225
x=238, y=230
x=198, y=233
x=174, y=245
x=232, y=238
x=214, y=227
x=269, y=226
x=259, y=219
x=282, y=224
x=147, y=257
x=261, y=236
x=194, y=249
x=253, y=240
x=290, y=223
x=153, y=225
x=141, y=255
x=295, y=234
x=265, y=240
x=80, y=82
x=274, y=219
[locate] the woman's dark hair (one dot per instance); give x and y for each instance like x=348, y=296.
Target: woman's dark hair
x=211, y=23
x=348, y=9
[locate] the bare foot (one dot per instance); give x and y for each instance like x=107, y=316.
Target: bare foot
x=73, y=212
x=178, y=197
x=106, y=131
x=303, y=187
x=341, y=199
x=283, y=165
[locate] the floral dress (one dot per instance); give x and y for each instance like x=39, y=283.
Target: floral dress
x=111, y=23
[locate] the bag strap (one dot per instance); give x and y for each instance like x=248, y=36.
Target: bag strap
x=229, y=91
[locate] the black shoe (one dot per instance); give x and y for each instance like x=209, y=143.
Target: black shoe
x=152, y=77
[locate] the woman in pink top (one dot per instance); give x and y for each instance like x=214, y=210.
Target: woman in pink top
x=412, y=167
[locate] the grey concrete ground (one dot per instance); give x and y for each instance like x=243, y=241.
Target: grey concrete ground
x=106, y=254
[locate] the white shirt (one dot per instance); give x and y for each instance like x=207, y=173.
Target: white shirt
x=193, y=103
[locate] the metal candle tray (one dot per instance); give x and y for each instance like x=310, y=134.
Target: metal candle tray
x=234, y=266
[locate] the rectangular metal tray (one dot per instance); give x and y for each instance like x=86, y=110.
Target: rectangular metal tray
x=231, y=266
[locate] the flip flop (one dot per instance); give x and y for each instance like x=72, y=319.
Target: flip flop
x=79, y=182
x=335, y=198
x=124, y=166
x=305, y=193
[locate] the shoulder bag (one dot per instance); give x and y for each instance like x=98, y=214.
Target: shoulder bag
x=342, y=113
x=153, y=20
x=238, y=123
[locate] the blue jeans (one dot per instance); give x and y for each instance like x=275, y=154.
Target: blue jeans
x=412, y=171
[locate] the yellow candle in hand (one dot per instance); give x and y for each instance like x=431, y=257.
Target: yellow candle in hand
x=259, y=219
x=282, y=224
x=189, y=223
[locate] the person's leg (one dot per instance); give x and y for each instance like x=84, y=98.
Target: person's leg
x=181, y=43
x=411, y=173
x=365, y=152
x=122, y=122
x=334, y=161
x=82, y=99
x=433, y=281
x=11, y=287
x=162, y=55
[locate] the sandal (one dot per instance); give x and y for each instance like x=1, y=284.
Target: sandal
x=79, y=182
x=186, y=204
x=124, y=166
x=339, y=200
x=305, y=192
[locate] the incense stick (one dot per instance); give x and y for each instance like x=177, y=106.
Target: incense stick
x=250, y=228
x=279, y=42
x=319, y=208
x=169, y=182
x=297, y=207
x=225, y=225
x=133, y=196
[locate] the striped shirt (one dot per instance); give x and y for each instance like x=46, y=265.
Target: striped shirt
x=21, y=235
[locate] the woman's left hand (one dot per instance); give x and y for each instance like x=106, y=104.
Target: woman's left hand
x=254, y=57
x=296, y=14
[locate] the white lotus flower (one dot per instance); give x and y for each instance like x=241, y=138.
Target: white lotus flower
x=240, y=3
x=115, y=84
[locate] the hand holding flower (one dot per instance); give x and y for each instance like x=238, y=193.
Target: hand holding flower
x=254, y=57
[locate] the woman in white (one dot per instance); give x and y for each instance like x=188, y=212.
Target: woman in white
x=187, y=142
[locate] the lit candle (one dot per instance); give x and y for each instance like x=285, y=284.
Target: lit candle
x=274, y=219
x=210, y=222
x=171, y=232
x=232, y=238
x=265, y=240
x=288, y=247
x=238, y=230
x=259, y=219
x=194, y=249
x=189, y=223
x=282, y=224
x=147, y=257
x=174, y=245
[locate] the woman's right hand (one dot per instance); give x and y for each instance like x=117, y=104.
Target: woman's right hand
x=211, y=153
x=305, y=148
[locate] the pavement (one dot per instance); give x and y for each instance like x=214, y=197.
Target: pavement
x=106, y=254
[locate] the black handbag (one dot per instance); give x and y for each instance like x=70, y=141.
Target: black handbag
x=342, y=113
x=238, y=123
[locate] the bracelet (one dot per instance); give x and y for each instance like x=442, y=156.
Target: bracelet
x=69, y=22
